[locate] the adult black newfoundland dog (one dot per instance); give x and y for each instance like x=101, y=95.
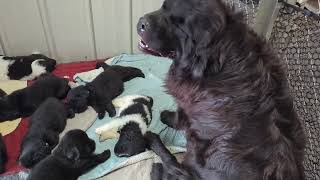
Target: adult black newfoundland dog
x=232, y=95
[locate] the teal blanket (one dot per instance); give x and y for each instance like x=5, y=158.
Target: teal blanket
x=155, y=69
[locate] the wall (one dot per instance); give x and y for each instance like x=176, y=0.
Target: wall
x=71, y=29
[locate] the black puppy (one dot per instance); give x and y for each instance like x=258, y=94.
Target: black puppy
x=47, y=122
x=3, y=154
x=25, y=67
x=23, y=102
x=77, y=99
x=72, y=158
x=103, y=89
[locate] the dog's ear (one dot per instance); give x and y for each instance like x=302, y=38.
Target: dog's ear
x=73, y=154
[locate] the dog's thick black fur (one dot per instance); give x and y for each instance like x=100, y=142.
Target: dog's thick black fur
x=72, y=158
x=232, y=94
x=47, y=122
x=102, y=90
x=23, y=102
x=21, y=66
x=3, y=154
x=2, y=93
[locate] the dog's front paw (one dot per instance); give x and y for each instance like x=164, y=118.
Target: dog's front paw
x=167, y=117
x=101, y=115
x=104, y=156
x=152, y=139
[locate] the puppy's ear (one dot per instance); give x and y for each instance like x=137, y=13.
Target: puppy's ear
x=73, y=154
x=103, y=65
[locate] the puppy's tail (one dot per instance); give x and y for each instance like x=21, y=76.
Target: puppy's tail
x=128, y=73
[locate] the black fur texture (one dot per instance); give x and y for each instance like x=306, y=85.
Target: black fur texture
x=2, y=93
x=21, y=66
x=3, y=155
x=102, y=90
x=72, y=158
x=77, y=99
x=232, y=94
x=23, y=102
x=131, y=141
x=47, y=122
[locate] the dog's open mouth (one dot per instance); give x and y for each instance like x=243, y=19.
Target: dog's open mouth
x=146, y=49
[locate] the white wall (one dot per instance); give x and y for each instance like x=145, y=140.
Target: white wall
x=71, y=29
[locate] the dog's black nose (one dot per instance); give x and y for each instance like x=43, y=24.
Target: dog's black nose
x=142, y=26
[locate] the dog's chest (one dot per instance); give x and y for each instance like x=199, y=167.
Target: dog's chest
x=186, y=93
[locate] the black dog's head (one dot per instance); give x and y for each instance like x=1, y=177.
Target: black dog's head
x=131, y=141
x=75, y=145
x=183, y=29
x=77, y=99
x=34, y=152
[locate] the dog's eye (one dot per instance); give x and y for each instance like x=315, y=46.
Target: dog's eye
x=47, y=144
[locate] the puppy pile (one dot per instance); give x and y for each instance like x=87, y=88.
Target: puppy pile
x=132, y=121
x=46, y=123
x=42, y=100
x=73, y=157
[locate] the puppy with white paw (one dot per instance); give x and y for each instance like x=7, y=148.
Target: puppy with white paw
x=25, y=67
x=130, y=125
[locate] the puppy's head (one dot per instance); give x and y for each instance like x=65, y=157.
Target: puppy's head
x=183, y=29
x=75, y=145
x=78, y=98
x=131, y=141
x=44, y=61
x=34, y=152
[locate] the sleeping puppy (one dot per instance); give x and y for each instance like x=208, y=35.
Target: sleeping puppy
x=25, y=67
x=23, y=102
x=47, y=122
x=232, y=94
x=134, y=117
x=72, y=158
x=3, y=154
x=77, y=99
x=102, y=90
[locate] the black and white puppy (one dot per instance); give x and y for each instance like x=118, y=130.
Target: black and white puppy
x=3, y=154
x=102, y=90
x=134, y=117
x=23, y=102
x=47, y=122
x=25, y=67
x=73, y=157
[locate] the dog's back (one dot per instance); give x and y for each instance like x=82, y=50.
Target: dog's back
x=51, y=114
